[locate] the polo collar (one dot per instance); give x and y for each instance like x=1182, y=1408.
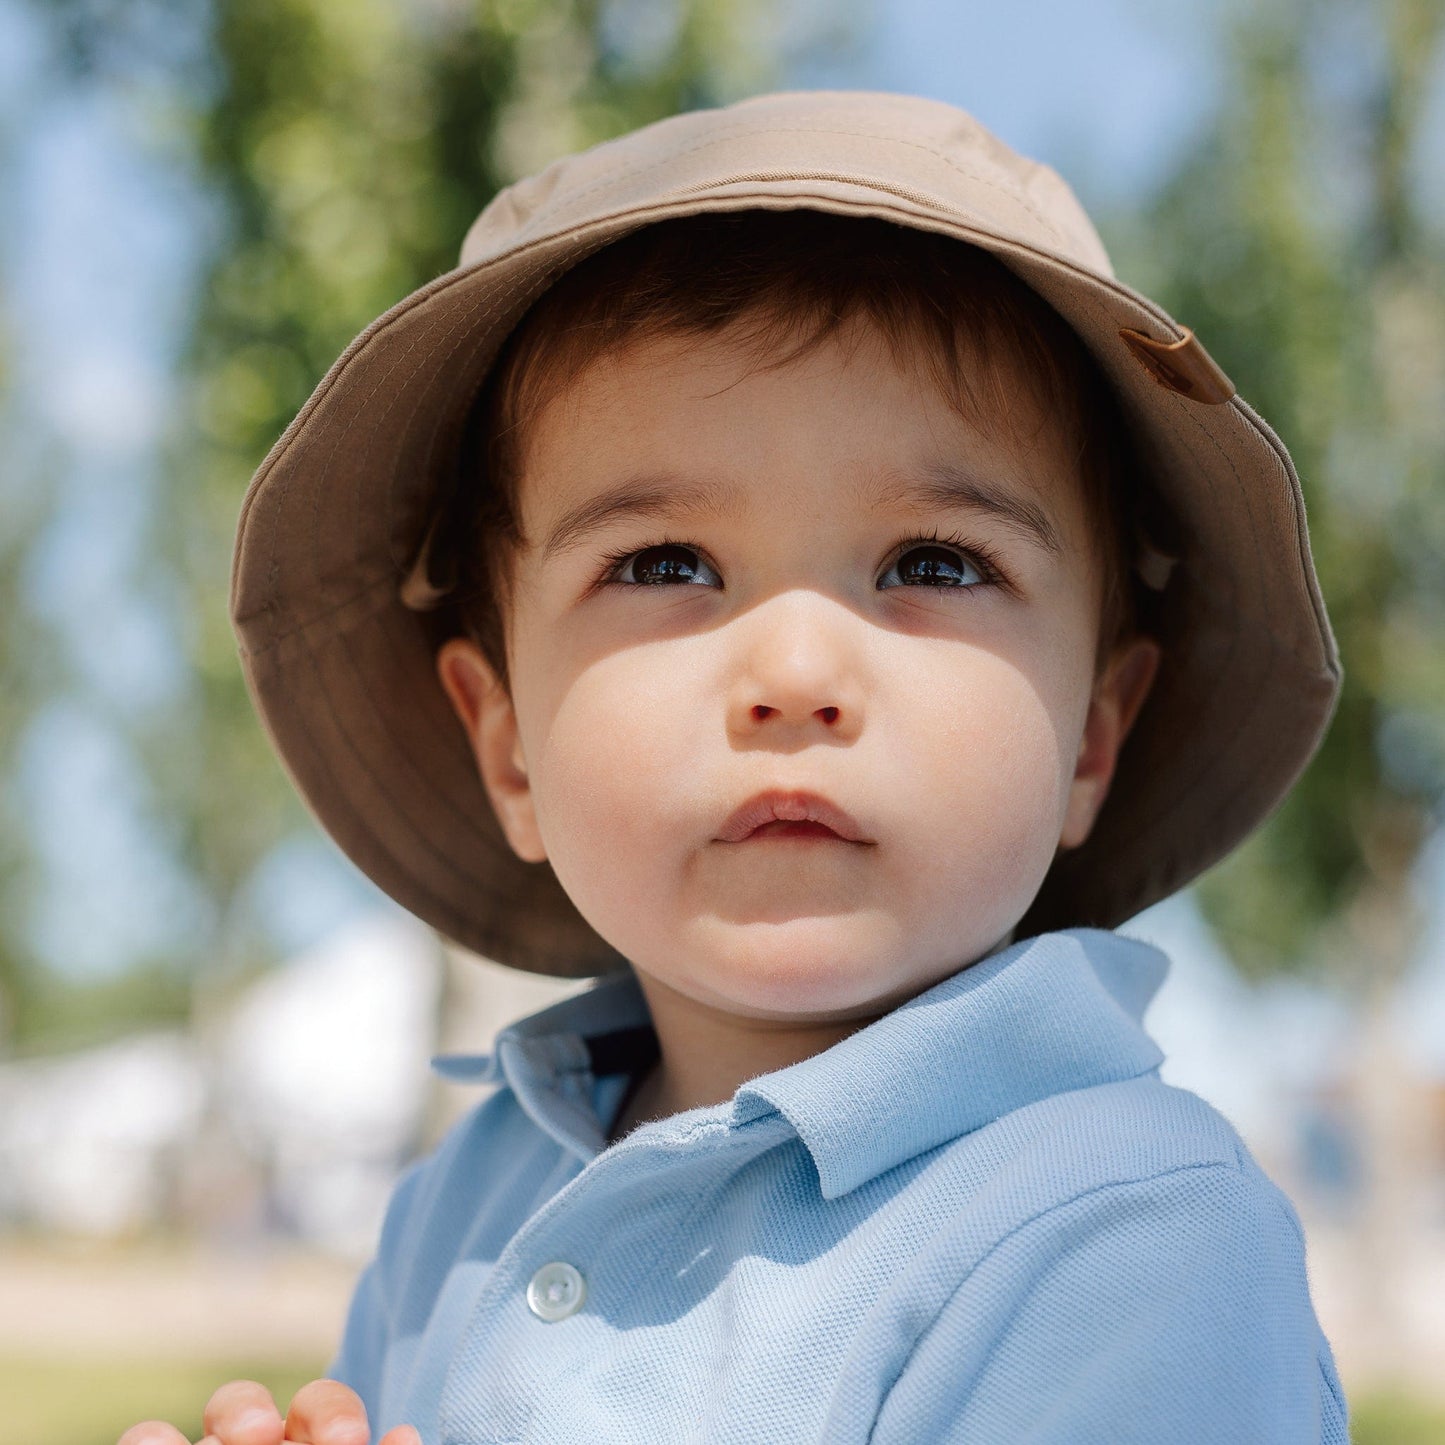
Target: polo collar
x=1046, y=1015
x=551, y=1058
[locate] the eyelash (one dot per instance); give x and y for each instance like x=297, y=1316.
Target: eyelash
x=981, y=556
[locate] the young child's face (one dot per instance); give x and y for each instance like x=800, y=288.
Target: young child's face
x=955, y=718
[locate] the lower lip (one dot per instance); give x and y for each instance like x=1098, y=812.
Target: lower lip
x=782, y=828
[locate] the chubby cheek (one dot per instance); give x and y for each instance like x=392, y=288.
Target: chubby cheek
x=986, y=787
x=617, y=768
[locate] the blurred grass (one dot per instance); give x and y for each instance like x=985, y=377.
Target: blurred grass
x=86, y=1402
x=92, y=1402
x=1391, y=1417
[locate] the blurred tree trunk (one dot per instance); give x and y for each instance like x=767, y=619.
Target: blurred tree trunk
x=29, y=647
x=27, y=681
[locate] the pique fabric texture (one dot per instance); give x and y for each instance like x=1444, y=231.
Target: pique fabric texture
x=982, y=1218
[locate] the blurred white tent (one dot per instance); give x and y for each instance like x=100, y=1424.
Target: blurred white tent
x=299, y=1104
x=322, y=1073
x=90, y=1143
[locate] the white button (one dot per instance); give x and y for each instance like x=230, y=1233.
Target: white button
x=556, y=1291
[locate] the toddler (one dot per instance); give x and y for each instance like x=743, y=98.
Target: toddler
x=992, y=622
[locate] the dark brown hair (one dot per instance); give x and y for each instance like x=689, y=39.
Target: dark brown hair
x=788, y=280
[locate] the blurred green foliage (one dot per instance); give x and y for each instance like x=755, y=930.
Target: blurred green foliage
x=55, y=1015
x=1293, y=240
x=1385, y=1417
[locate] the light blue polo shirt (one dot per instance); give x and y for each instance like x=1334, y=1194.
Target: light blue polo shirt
x=982, y=1218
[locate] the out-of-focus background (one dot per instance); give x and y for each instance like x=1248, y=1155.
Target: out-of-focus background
x=214, y=1032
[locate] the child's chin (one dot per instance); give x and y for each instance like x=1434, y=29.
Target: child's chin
x=792, y=973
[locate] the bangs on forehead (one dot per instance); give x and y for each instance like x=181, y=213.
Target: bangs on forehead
x=782, y=283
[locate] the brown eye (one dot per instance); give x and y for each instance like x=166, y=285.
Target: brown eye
x=934, y=566
x=663, y=565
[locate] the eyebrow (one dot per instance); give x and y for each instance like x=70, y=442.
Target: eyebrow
x=947, y=486
x=938, y=486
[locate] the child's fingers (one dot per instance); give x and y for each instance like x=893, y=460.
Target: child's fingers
x=242, y=1412
x=326, y=1412
x=402, y=1435
x=152, y=1432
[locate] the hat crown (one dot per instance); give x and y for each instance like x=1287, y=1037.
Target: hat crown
x=858, y=145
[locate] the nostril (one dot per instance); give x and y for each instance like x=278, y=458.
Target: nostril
x=760, y=710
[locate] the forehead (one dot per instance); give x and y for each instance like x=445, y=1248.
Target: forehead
x=712, y=425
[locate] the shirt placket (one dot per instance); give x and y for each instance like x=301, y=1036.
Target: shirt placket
x=588, y=1249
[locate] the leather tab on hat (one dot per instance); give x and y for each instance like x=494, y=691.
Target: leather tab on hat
x=1183, y=366
x=422, y=589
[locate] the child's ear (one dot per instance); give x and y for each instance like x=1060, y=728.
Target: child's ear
x=1118, y=695
x=485, y=708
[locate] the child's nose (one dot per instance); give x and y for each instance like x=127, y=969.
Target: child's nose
x=794, y=721
x=801, y=667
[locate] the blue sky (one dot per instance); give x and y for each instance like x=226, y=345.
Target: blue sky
x=1105, y=92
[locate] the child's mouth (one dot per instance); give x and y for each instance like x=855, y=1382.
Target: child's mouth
x=785, y=828
x=790, y=813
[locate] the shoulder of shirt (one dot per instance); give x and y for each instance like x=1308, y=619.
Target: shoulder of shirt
x=1188, y=1201
x=1132, y=1136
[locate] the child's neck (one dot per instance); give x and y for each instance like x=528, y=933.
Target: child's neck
x=706, y=1054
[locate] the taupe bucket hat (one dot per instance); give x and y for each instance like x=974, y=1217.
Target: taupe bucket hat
x=332, y=577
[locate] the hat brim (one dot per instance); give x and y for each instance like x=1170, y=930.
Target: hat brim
x=343, y=676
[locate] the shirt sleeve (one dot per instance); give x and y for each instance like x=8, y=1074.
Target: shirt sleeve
x=1170, y=1308
x=360, y=1359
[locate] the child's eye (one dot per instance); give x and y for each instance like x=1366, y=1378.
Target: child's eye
x=932, y=563
x=659, y=565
